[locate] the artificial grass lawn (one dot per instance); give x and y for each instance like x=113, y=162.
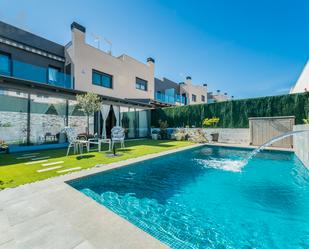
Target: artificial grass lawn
x=14, y=172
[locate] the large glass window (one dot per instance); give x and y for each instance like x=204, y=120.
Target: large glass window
x=142, y=123
x=5, y=64
x=47, y=119
x=141, y=84
x=102, y=79
x=53, y=74
x=129, y=122
x=13, y=117
x=78, y=119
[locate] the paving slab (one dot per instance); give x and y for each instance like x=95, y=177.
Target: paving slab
x=48, y=169
x=52, y=163
x=50, y=214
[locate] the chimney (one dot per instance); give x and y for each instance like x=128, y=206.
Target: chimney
x=78, y=33
x=76, y=25
x=150, y=60
x=218, y=91
x=188, y=80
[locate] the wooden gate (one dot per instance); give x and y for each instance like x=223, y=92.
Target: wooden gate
x=263, y=129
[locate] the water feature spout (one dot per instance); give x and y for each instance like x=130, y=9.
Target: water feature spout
x=271, y=141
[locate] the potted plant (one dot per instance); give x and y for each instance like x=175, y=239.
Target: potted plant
x=163, y=129
x=212, y=122
x=154, y=134
x=3, y=146
x=180, y=134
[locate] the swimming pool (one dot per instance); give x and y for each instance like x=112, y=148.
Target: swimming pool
x=200, y=198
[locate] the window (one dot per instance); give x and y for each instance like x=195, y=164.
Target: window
x=5, y=64
x=53, y=74
x=203, y=98
x=193, y=98
x=102, y=79
x=141, y=84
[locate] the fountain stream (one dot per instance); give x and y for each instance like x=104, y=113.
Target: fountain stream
x=269, y=142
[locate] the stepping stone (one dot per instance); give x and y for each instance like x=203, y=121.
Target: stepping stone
x=39, y=158
x=24, y=157
x=48, y=169
x=34, y=162
x=30, y=154
x=53, y=163
x=67, y=170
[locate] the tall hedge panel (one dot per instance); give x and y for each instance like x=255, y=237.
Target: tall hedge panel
x=235, y=113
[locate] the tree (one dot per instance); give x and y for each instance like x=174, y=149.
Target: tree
x=90, y=103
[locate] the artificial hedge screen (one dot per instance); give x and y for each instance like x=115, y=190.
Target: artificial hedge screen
x=234, y=113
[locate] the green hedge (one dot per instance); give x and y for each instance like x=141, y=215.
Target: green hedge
x=235, y=113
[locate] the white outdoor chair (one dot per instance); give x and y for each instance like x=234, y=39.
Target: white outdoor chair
x=74, y=142
x=118, y=136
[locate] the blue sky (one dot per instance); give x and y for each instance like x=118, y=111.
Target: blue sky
x=245, y=48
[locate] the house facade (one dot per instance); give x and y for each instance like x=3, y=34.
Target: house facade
x=39, y=81
x=38, y=91
x=217, y=97
x=184, y=93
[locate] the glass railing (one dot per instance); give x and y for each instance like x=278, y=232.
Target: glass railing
x=170, y=99
x=25, y=71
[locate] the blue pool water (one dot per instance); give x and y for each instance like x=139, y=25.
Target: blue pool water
x=201, y=198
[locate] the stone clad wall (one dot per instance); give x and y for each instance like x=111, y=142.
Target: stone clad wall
x=226, y=135
x=13, y=126
x=231, y=136
x=301, y=144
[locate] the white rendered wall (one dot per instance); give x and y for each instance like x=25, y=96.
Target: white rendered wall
x=124, y=70
x=301, y=144
x=303, y=81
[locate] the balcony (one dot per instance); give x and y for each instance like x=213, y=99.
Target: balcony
x=25, y=71
x=170, y=99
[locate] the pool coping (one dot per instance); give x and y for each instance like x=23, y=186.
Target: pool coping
x=52, y=214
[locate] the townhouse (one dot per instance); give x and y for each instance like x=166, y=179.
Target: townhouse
x=39, y=81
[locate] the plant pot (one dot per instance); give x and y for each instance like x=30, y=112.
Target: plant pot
x=215, y=137
x=178, y=137
x=154, y=136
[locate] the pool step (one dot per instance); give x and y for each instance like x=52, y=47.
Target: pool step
x=53, y=163
x=67, y=170
x=48, y=169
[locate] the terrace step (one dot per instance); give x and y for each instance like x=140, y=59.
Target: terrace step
x=67, y=170
x=48, y=169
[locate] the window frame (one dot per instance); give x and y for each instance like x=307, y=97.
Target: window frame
x=56, y=68
x=193, y=98
x=138, y=88
x=203, y=98
x=101, y=74
x=10, y=73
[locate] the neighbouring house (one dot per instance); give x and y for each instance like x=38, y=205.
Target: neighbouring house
x=185, y=93
x=302, y=84
x=39, y=80
x=217, y=97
